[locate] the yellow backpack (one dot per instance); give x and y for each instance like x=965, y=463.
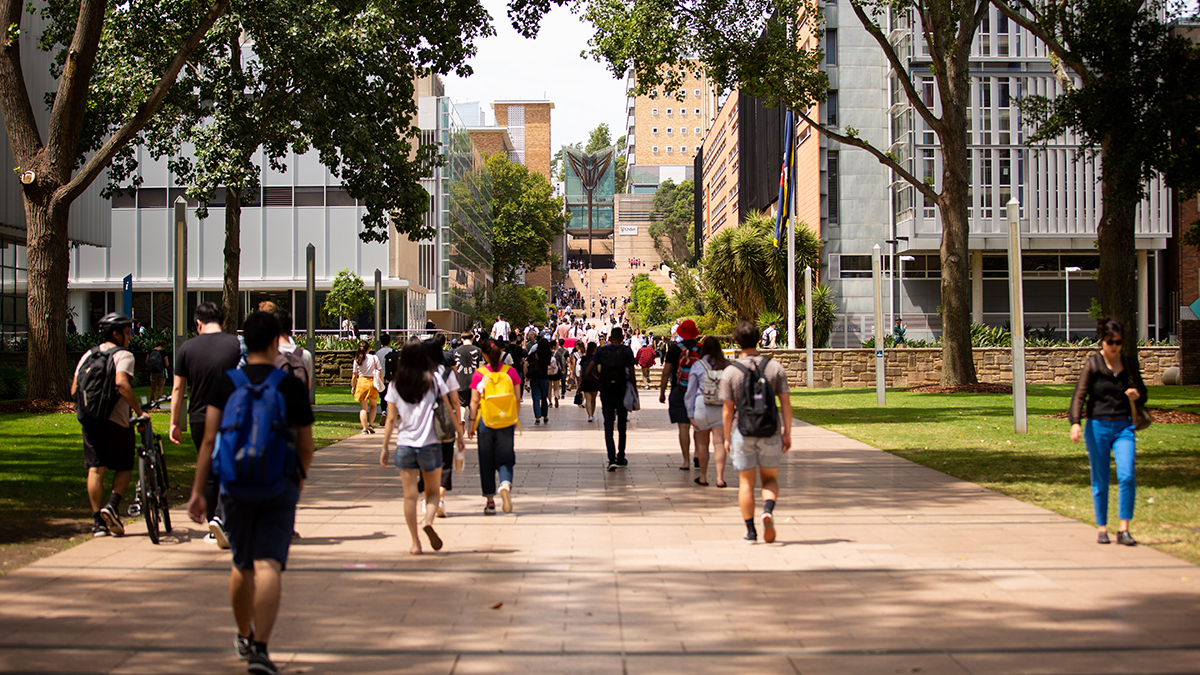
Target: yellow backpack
x=498, y=405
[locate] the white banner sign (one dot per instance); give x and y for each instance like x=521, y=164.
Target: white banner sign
x=628, y=229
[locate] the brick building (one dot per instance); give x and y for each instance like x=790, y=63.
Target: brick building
x=664, y=130
x=528, y=125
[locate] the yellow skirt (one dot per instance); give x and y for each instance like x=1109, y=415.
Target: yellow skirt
x=364, y=390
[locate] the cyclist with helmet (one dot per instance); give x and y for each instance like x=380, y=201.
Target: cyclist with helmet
x=108, y=443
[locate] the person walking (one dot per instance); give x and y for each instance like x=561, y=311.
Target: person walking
x=612, y=367
x=494, y=412
x=200, y=363
x=158, y=363
x=540, y=356
x=412, y=397
x=561, y=364
x=501, y=328
x=763, y=433
x=703, y=402
x=588, y=386
x=103, y=389
x=677, y=367
x=439, y=360
x=1108, y=389
x=770, y=337
x=467, y=358
x=363, y=385
x=260, y=514
x=898, y=332
x=645, y=360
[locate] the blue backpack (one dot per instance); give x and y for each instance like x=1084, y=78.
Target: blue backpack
x=254, y=458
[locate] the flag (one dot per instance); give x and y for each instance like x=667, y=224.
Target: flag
x=783, y=210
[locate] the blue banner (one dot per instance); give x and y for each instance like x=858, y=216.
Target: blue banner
x=783, y=206
x=127, y=295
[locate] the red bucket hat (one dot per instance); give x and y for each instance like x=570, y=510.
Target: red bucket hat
x=688, y=331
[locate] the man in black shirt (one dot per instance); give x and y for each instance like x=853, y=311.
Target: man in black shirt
x=260, y=531
x=517, y=353
x=467, y=358
x=201, y=360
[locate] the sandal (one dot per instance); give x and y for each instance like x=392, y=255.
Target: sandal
x=697, y=482
x=721, y=485
x=685, y=467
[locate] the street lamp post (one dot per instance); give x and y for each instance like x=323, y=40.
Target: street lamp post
x=892, y=290
x=1068, y=298
x=900, y=287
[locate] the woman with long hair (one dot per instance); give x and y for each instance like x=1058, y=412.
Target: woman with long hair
x=497, y=452
x=411, y=397
x=706, y=417
x=362, y=385
x=1108, y=389
x=587, y=385
x=434, y=347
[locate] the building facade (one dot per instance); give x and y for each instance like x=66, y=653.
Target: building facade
x=665, y=130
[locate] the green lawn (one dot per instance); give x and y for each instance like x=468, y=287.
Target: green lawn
x=335, y=396
x=42, y=491
x=971, y=436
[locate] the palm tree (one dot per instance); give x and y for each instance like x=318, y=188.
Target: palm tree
x=743, y=267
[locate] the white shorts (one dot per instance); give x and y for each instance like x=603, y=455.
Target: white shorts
x=753, y=452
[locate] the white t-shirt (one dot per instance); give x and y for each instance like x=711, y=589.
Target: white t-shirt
x=414, y=421
x=593, y=335
x=368, y=366
x=501, y=329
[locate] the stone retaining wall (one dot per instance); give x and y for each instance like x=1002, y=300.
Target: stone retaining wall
x=915, y=367
x=835, y=367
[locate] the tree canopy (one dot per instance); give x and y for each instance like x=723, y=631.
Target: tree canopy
x=347, y=297
x=672, y=221
x=743, y=267
x=526, y=217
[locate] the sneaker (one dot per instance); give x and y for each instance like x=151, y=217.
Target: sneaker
x=768, y=521
x=210, y=539
x=545, y=420
x=260, y=663
x=99, y=530
x=490, y=509
x=217, y=531
x=1126, y=539
x=591, y=419
x=441, y=510
x=556, y=402
x=751, y=538
x=244, y=646
x=612, y=466
x=622, y=462
x=506, y=498
x=537, y=421
x=109, y=514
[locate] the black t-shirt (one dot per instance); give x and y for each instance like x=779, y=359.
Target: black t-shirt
x=202, y=360
x=539, y=360
x=673, y=353
x=295, y=394
x=517, y=352
x=467, y=359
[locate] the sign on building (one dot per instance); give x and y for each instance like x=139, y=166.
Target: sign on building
x=628, y=229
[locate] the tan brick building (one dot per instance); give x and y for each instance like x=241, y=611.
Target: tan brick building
x=664, y=130
x=528, y=125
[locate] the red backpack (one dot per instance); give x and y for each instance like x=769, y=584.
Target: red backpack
x=688, y=356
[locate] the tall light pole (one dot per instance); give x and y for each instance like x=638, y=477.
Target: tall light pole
x=1017, y=321
x=880, y=375
x=181, y=322
x=1068, y=298
x=900, y=288
x=892, y=290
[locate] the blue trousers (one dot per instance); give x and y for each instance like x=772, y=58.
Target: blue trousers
x=1115, y=439
x=540, y=389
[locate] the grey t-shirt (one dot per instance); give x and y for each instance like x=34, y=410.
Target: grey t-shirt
x=732, y=378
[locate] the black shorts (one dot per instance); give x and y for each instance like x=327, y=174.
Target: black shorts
x=108, y=444
x=261, y=530
x=675, y=406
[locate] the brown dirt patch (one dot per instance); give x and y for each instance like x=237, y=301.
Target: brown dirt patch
x=38, y=406
x=963, y=389
x=1159, y=415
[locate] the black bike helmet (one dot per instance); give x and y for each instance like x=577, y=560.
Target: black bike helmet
x=113, y=321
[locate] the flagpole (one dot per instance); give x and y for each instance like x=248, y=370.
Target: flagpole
x=791, y=235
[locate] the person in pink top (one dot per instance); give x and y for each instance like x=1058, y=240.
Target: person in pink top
x=497, y=453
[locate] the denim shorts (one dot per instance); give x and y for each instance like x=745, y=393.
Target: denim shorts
x=425, y=458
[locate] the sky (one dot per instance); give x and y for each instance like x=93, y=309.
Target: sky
x=547, y=68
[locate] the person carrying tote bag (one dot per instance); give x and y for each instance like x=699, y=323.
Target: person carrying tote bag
x=1109, y=392
x=703, y=402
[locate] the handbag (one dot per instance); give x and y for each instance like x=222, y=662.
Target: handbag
x=377, y=379
x=632, y=401
x=443, y=423
x=579, y=397
x=1141, y=416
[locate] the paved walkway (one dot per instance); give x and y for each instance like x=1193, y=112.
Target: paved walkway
x=882, y=566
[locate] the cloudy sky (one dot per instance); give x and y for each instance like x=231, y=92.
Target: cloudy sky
x=549, y=68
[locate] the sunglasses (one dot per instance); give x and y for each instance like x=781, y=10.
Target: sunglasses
x=1114, y=343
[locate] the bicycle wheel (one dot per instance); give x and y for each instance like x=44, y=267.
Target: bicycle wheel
x=163, y=484
x=149, y=496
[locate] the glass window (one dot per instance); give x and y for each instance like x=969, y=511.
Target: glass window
x=654, y=130
x=310, y=196
x=339, y=197
x=696, y=93
x=831, y=108
x=152, y=198
x=669, y=150
x=683, y=131
x=831, y=46
x=697, y=112
x=668, y=131
x=856, y=266
x=668, y=112
x=697, y=131
x=654, y=111
x=125, y=200
x=832, y=186
x=654, y=150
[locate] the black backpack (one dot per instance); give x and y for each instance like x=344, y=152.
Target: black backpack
x=155, y=361
x=391, y=361
x=466, y=362
x=96, y=386
x=758, y=413
x=612, y=364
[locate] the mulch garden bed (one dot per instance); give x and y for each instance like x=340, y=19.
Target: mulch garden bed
x=1159, y=415
x=38, y=406
x=963, y=389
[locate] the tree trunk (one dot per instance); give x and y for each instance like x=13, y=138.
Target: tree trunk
x=958, y=359
x=48, y=371
x=1117, y=278
x=230, y=298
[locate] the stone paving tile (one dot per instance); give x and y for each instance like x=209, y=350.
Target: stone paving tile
x=881, y=566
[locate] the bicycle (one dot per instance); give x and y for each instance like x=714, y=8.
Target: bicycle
x=150, y=496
